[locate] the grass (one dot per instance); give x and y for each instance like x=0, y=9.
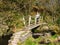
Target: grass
x=29, y=41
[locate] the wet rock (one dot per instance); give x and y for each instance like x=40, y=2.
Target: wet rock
x=47, y=41
x=47, y=34
x=44, y=42
x=41, y=42
x=35, y=36
x=59, y=38
x=45, y=28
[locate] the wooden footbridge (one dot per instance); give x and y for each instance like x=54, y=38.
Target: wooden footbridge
x=24, y=33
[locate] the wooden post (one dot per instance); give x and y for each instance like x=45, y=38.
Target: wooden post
x=24, y=21
x=37, y=17
x=42, y=18
x=29, y=20
x=35, y=20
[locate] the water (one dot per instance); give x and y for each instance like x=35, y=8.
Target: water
x=4, y=39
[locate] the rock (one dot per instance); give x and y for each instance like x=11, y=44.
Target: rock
x=59, y=38
x=56, y=40
x=47, y=41
x=42, y=42
x=47, y=34
x=45, y=28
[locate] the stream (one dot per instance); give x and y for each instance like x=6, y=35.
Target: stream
x=4, y=39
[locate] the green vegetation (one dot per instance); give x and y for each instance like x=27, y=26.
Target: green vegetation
x=58, y=21
x=12, y=12
x=32, y=41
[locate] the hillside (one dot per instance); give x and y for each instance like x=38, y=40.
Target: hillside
x=13, y=11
